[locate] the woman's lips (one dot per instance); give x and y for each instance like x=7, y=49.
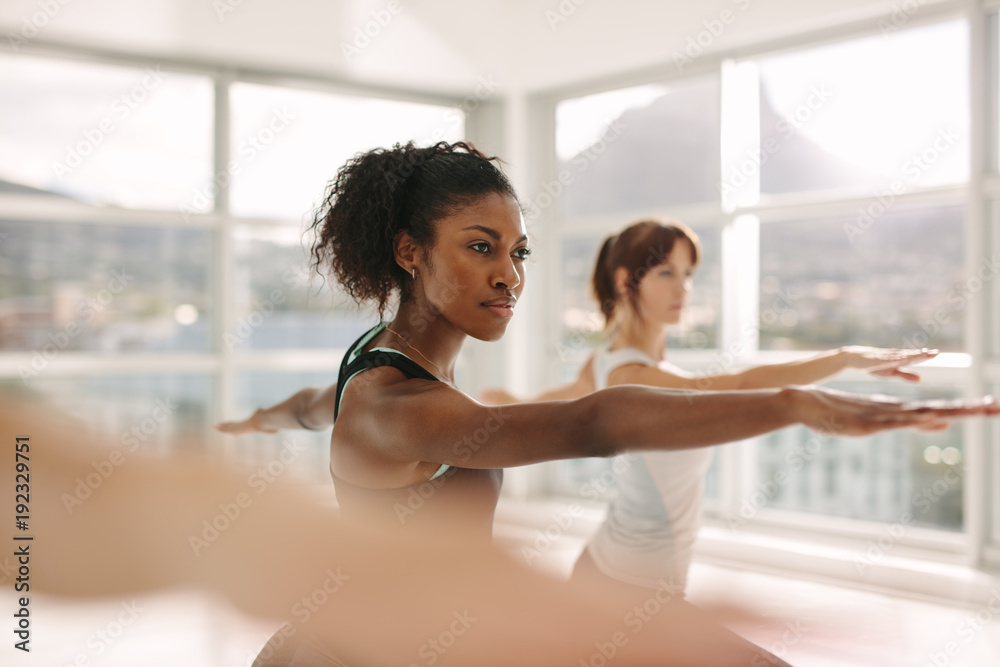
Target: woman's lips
x=501, y=310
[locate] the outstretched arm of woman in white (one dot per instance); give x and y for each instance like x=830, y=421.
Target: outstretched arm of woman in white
x=890, y=363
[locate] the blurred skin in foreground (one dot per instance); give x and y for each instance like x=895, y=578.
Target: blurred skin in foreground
x=134, y=532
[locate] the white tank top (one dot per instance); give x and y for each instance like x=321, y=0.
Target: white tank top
x=647, y=536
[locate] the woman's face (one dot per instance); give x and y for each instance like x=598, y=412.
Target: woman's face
x=475, y=272
x=663, y=292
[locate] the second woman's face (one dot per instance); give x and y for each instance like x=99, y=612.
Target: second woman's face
x=476, y=270
x=663, y=292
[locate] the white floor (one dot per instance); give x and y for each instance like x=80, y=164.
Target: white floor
x=815, y=625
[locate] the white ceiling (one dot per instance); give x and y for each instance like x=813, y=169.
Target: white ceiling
x=440, y=45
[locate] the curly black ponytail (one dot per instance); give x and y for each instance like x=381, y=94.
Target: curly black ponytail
x=385, y=191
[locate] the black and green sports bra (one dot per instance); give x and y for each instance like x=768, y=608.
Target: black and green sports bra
x=453, y=499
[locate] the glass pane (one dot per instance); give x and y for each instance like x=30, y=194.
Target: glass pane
x=876, y=113
x=583, y=325
x=635, y=149
x=277, y=307
x=906, y=477
x=308, y=451
x=898, y=281
x=713, y=476
x=148, y=413
x=287, y=144
x=102, y=288
x=132, y=137
x=987, y=269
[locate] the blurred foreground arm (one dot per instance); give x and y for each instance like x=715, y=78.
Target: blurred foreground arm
x=149, y=525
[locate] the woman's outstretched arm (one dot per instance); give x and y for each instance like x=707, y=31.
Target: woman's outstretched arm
x=582, y=385
x=890, y=363
x=310, y=408
x=433, y=422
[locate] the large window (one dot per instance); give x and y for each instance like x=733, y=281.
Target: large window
x=899, y=282
x=138, y=137
x=131, y=291
x=104, y=288
x=851, y=175
x=881, y=113
x=639, y=149
x=287, y=144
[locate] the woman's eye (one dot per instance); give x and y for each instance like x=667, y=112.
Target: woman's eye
x=522, y=253
x=481, y=247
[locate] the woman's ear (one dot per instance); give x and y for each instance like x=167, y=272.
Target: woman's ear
x=404, y=249
x=621, y=281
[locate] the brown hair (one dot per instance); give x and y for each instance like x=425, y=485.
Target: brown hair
x=639, y=248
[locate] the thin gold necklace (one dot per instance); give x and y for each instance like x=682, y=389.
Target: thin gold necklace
x=443, y=375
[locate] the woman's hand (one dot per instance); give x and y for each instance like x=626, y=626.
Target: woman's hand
x=253, y=424
x=837, y=413
x=885, y=362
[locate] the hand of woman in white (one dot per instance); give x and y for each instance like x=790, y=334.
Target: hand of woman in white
x=886, y=362
x=249, y=425
x=838, y=413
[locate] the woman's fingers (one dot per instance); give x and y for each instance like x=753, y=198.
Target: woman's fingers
x=935, y=415
x=900, y=373
x=888, y=359
x=841, y=414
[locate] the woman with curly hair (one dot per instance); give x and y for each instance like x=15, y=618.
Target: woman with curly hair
x=441, y=229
